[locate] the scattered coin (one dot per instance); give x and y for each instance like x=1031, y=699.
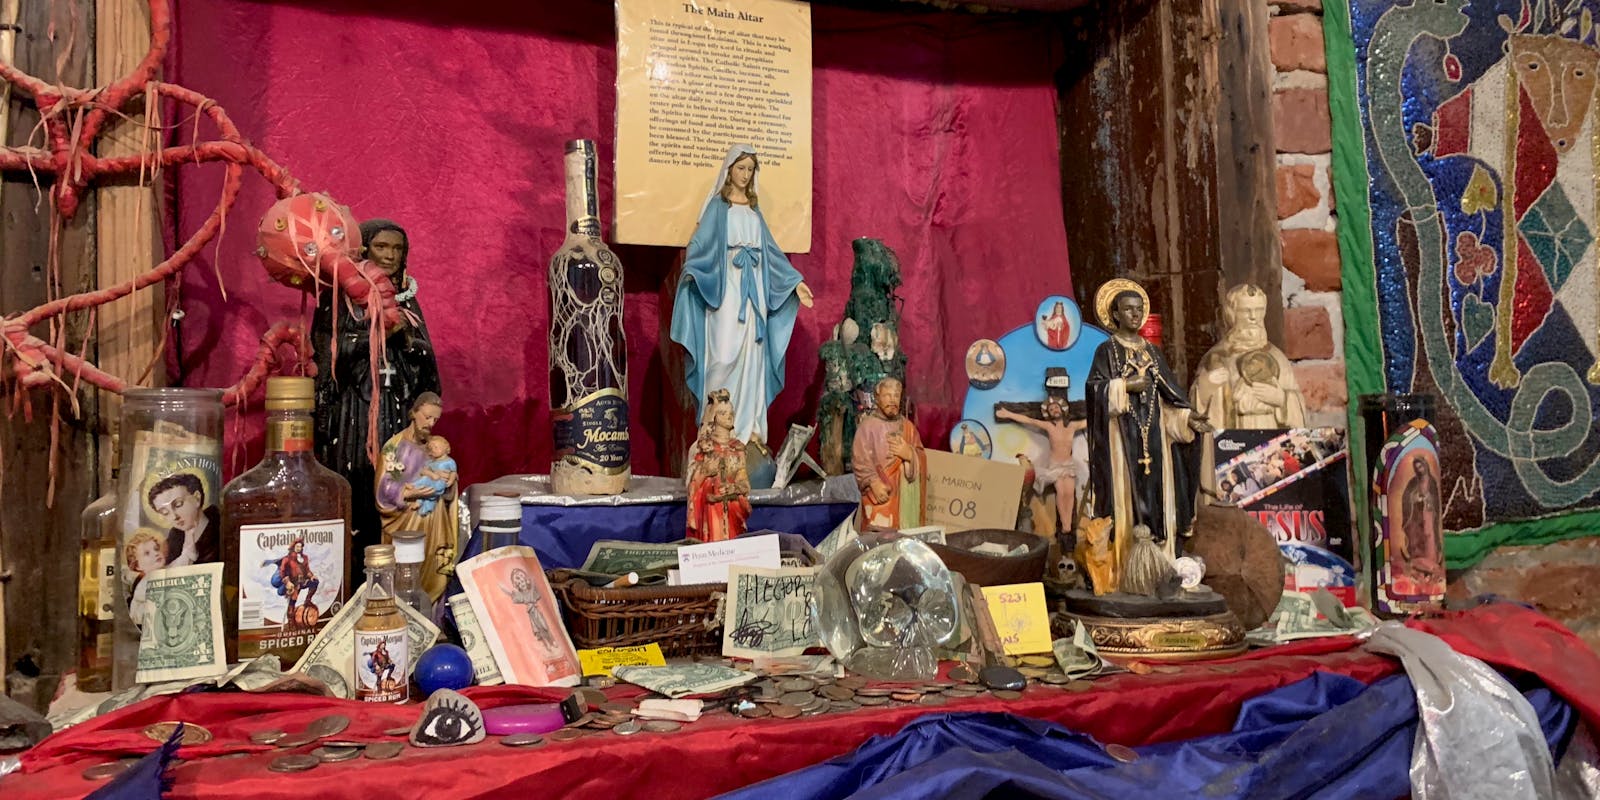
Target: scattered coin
x=1007, y=694
x=872, y=700
x=601, y=681
x=879, y=692
x=328, y=726
x=662, y=726
x=797, y=685
x=963, y=673
x=403, y=731
x=1225, y=669
x=1139, y=668
x=844, y=706
x=344, y=743
x=1033, y=672
x=267, y=737
x=522, y=740
x=192, y=733
x=1002, y=678
x=851, y=682
x=1037, y=661
x=1056, y=679
x=231, y=756
x=329, y=755
x=797, y=698
x=628, y=728
x=933, y=700
x=617, y=707
x=100, y=772
x=784, y=710
x=591, y=697
x=383, y=751
x=755, y=712
x=566, y=735
x=1079, y=685
x=581, y=721
x=906, y=697
x=1122, y=752
x=294, y=740
x=837, y=692
x=294, y=763
x=959, y=694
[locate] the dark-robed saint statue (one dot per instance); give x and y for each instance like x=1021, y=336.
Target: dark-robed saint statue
x=1142, y=469
x=344, y=383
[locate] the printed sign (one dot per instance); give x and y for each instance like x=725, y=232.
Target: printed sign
x=709, y=562
x=966, y=492
x=600, y=661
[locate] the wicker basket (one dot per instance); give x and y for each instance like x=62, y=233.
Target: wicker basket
x=673, y=616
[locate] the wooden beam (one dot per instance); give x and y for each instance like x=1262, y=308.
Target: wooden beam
x=1250, y=248
x=39, y=542
x=9, y=11
x=1139, y=160
x=127, y=228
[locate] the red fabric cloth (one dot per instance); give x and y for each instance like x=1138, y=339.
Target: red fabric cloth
x=720, y=753
x=935, y=132
x=714, y=755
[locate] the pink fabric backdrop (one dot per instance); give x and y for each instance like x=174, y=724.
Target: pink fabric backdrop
x=935, y=132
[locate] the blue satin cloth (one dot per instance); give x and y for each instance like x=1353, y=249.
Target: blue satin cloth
x=563, y=535
x=1327, y=736
x=146, y=780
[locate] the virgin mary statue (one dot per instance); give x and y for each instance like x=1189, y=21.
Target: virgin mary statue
x=737, y=300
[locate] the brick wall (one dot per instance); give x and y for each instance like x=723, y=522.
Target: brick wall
x=1312, y=325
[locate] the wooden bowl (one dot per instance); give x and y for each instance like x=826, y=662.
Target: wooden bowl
x=987, y=570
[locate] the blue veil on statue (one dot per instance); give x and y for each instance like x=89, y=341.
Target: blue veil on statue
x=736, y=304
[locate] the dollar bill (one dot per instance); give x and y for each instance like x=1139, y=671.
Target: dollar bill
x=682, y=680
x=612, y=557
x=331, y=657
x=484, y=671
x=182, y=637
x=1078, y=657
x=927, y=534
x=1297, y=617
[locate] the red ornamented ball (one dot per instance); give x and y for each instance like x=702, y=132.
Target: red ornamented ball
x=303, y=237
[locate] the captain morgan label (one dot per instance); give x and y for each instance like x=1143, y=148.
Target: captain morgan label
x=291, y=582
x=382, y=674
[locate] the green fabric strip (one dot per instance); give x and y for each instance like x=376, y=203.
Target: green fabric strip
x=1467, y=548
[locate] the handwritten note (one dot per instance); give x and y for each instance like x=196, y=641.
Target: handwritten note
x=600, y=661
x=709, y=562
x=1020, y=617
x=965, y=492
x=768, y=612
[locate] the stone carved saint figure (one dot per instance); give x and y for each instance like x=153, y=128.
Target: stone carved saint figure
x=890, y=464
x=719, y=482
x=737, y=300
x=1244, y=381
x=1140, y=423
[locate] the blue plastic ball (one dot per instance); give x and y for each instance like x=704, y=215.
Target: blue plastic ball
x=443, y=666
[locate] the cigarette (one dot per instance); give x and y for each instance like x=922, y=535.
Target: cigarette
x=623, y=582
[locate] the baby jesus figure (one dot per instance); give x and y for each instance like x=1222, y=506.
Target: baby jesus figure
x=437, y=476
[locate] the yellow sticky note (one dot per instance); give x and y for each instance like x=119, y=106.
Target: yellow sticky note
x=600, y=661
x=1020, y=617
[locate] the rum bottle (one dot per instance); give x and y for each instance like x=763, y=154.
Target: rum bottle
x=383, y=667
x=588, y=350
x=97, y=591
x=286, y=537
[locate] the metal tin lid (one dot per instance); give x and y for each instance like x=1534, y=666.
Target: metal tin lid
x=380, y=555
x=290, y=394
